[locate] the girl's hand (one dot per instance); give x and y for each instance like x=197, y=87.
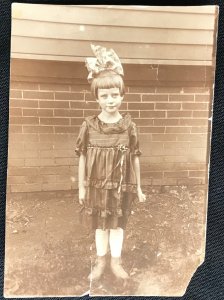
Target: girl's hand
x=82, y=195
x=141, y=196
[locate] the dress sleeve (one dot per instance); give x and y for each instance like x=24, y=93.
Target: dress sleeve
x=82, y=140
x=134, y=141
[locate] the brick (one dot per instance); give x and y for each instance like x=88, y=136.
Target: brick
x=47, y=138
x=164, y=137
x=69, y=96
x=197, y=173
x=132, y=98
x=14, y=138
x=143, y=122
x=38, y=112
x=166, y=122
x=196, y=90
x=168, y=106
x=152, y=129
x=153, y=174
x=23, y=103
x=176, y=174
x=54, y=104
x=23, y=154
x=156, y=148
x=177, y=159
x=89, y=97
x=199, y=144
x=64, y=153
x=15, y=112
x=16, y=147
x=47, y=153
x=155, y=98
x=152, y=114
x=84, y=105
x=54, y=121
x=141, y=89
x=197, y=155
x=66, y=129
x=65, y=178
x=178, y=129
x=203, y=98
x=76, y=121
x=168, y=90
x=175, y=145
x=194, y=106
x=133, y=113
x=191, y=137
x=16, y=179
x=190, y=181
x=54, y=87
x=15, y=94
x=199, y=129
x=56, y=186
x=193, y=122
x=64, y=161
x=32, y=162
x=55, y=170
x=49, y=178
x=181, y=98
x=80, y=88
x=34, y=179
x=201, y=114
x=179, y=114
x=22, y=171
x=39, y=146
x=47, y=162
x=16, y=162
x=140, y=106
x=176, y=151
x=38, y=95
x=91, y=112
x=68, y=113
x=38, y=129
x=15, y=129
x=25, y=188
x=24, y=120
x=24, y=85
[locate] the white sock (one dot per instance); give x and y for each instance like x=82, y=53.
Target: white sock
x=101, y=238
x=116, y=241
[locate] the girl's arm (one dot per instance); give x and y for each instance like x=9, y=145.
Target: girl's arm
x=136, y=165
x=82, y=189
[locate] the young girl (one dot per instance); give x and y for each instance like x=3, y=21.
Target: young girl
x=109, y=171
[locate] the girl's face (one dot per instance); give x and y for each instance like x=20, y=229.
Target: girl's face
x=109, y=99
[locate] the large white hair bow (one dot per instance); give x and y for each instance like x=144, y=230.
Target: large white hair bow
x=104, y=60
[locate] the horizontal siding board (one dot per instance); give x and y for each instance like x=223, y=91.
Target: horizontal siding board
x=29, y=28
x=82, y=48
x=111, y=17
x=205, y=9
x=125, y=61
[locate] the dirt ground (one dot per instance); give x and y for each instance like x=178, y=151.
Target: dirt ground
x=48, y=250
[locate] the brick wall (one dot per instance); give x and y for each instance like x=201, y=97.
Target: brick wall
x=46, y=112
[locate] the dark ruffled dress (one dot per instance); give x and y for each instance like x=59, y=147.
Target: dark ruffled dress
x=110, y=178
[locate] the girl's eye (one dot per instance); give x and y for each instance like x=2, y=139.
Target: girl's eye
x=115, y=95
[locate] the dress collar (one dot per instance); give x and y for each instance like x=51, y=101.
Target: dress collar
x=108, y=128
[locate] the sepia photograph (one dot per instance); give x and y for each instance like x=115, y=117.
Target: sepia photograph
x=110, y=117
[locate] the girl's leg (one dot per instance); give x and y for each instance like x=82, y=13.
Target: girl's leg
x=116, y=243
x=101, y=238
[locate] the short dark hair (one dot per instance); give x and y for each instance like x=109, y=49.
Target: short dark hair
x=105, y=80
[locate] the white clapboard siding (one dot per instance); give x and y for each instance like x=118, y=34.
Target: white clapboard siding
x=82, y=48
x=169, y=35
x=113, y=17
x=28, y=28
